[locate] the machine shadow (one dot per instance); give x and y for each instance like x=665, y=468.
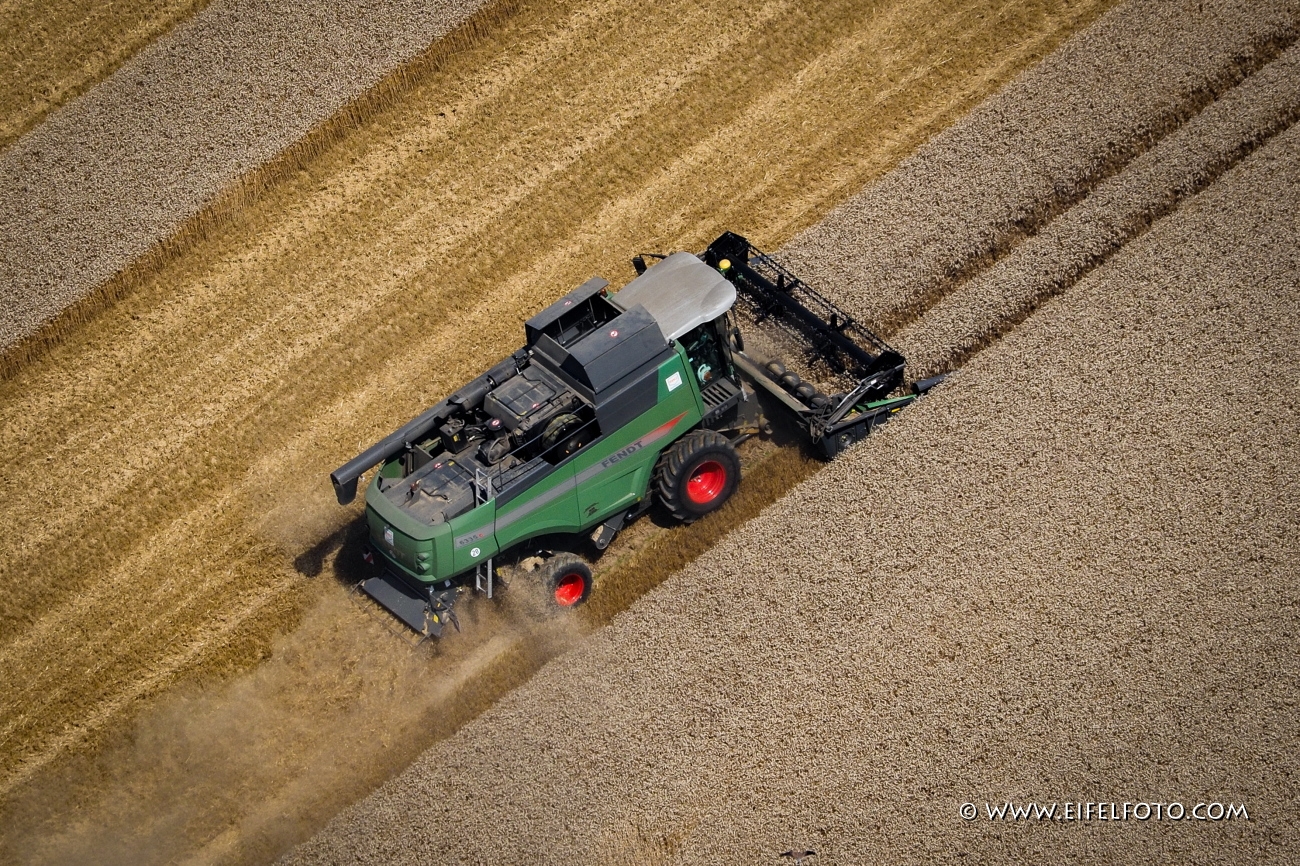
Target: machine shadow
x=343, y=549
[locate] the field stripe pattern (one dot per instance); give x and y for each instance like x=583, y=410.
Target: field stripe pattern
x=1117, y=210
x=51, y=51
x=110, y=176
x=172, y=449
x=1109, y=504
x=959, y=204
x=1067, y=575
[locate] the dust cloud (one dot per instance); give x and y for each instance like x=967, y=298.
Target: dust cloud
x=248, y=768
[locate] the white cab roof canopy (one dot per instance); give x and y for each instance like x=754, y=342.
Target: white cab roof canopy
x=681, y=292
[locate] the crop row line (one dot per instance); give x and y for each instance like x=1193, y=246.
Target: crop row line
x=1067, y=193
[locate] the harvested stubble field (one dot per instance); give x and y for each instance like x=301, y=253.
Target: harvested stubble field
x=53, y=50
x=138, y=166
x=171, y=448
x=1069, y=574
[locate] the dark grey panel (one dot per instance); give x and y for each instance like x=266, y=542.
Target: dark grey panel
x=632, y=396
x=622, y=345
x=402, y=602
x=549, y=320
x=520, y=397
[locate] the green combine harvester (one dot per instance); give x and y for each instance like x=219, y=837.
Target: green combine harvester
x=615, y=399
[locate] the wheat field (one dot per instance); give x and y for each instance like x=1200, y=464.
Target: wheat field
x=52, y=51
x=1069, y=574
x=188, y=678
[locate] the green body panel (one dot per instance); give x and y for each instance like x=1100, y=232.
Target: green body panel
x=604, y=478
x=471, y=539
x=414, y=547
x=609, y=475
x=682, y=366
x=551, y=505
x=614, y=473
x=618, y=487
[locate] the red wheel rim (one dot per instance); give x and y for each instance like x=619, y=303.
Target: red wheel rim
x=568, y=589
x=706, y=482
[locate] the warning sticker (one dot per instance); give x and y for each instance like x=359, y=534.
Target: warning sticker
x=674, y=381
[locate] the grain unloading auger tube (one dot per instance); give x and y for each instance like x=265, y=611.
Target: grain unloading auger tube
x=617, y=399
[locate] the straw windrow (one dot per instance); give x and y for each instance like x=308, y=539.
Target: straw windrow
x=100, y=198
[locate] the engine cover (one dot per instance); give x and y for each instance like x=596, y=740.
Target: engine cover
x=518, y=399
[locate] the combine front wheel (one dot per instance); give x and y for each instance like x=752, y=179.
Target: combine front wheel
x=698, y=474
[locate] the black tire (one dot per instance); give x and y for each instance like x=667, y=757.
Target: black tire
x=568, y=580
x=697, y=475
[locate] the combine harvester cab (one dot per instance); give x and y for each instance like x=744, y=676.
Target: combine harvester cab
x=614, y=400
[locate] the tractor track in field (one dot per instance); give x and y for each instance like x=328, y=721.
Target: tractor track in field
x=193, y=413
